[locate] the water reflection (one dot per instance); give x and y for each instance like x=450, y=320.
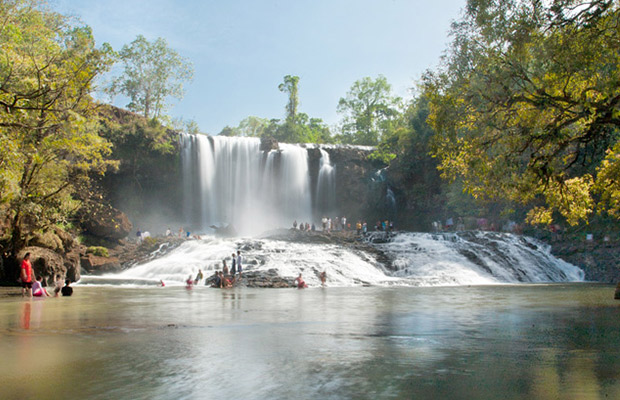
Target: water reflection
x=491, y=342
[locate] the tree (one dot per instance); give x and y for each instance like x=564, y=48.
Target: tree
x=527, y=105
x=297, y=127
x=252, y=126
x=368, y=109
x=48, y=132
x=290, y=86
x=152, y=73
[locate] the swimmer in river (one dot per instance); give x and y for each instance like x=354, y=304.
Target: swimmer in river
x=323, y=276
x=37, y=288
x=300, y=282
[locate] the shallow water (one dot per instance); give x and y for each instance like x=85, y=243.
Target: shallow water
x=509, y=342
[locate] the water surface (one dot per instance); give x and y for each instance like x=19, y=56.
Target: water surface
x=509, y=342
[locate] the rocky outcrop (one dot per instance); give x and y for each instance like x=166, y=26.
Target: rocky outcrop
x=259, y=279
x=600, y=260
x=267, y=144
x=105, y=221
x=45, y=262
x=93, y=264
x=359, y=195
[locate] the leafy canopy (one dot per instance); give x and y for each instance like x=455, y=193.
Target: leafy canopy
x=152, y=73
x=368, y=109
x=527, y=105
x=48, y=137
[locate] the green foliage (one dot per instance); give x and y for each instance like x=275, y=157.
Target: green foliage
x=152, y=73
x=296, y=128
x=290, y=86
x=99, y=251
x=527, y=105
x=48, y=136
x=368, y=109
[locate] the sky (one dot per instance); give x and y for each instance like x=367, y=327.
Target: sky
x=242, y=49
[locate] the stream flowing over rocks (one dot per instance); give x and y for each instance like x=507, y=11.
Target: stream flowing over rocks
x=276, y=258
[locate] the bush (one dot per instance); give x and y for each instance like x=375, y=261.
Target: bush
x=98, y=251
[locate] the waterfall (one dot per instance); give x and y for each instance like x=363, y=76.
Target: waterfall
x=326, y=184
x=411, y=259
x=230, y=180
x=474, y=257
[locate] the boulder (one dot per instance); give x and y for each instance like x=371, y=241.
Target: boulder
x=105, y=222
x=48, y=240
x=97, y=264
x=68, y=242
x=73, y=265
x=45, y=262
x=268, y=143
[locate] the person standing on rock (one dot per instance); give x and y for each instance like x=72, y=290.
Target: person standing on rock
x=239, y=267
x=198, y=277
x=26, y=275
x=233, y=268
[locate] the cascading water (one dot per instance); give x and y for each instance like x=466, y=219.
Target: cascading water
x=415, y=259
x=230, y=180
x=326, y=184
x=472, y=257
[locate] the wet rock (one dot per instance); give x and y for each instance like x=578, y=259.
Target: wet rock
x=73, y=265
x=268, y=143
x=96, y=264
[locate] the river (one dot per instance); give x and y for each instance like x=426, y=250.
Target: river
x=465, y=342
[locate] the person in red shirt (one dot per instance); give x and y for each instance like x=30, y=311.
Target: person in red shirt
x=26, y=276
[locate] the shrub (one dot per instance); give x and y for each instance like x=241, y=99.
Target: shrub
x=98, y=251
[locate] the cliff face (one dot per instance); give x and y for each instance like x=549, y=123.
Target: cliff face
x=359, y=193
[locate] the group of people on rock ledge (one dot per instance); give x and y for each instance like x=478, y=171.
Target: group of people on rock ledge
x=221, y=279
x=37, y=288
x=341, y=224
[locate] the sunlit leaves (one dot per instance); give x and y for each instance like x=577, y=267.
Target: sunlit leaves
x=152, y=73
x=48, y=132
x=367, y=110
x=527, y=102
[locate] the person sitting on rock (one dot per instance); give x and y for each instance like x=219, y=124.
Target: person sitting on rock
x=217, y=280
x=226, y=283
